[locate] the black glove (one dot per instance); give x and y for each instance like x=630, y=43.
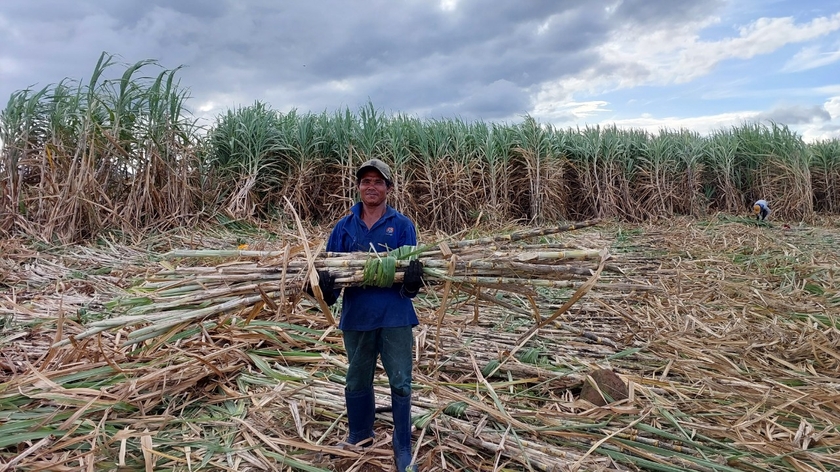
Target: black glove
x=326, y=282
x=413, y=278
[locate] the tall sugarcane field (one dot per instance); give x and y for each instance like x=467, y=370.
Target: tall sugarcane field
x=594, y=298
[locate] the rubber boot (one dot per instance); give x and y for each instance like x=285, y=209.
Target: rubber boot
x=360, y=415
x=401, y=409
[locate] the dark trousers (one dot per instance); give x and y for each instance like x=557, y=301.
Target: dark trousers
x=393, y=345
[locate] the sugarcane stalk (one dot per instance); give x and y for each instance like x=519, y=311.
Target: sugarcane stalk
x=525, y=234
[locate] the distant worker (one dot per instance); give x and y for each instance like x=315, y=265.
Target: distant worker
x=761, y=210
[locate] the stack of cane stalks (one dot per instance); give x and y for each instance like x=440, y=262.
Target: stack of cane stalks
x=243, y=283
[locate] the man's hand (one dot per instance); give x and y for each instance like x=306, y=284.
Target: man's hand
x=413, y=278
x=326, y=282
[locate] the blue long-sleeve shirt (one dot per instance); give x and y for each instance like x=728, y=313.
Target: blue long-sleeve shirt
x=369, y=308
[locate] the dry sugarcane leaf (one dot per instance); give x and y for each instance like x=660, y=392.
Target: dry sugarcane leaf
x=312, y=274
x=148, y=447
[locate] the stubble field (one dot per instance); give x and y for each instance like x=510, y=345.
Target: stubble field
x=726, y=334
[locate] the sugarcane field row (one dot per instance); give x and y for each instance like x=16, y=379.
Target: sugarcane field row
x=687, y=344
x=80, y=161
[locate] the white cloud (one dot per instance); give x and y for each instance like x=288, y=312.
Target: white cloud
x=569, y=110
x=448, y=5
x=832, y=106
x=665, y=56
x=208, y=106
x=812, y=134
x=763, y=36
x=814, y=130
x=830, y=90
x=700, y=124
x=340, y=85
x=811, y=57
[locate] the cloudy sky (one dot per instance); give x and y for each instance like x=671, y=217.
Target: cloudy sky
x=695, y=64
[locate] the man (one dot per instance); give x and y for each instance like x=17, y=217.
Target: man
x=761, y=210
x=377, y=321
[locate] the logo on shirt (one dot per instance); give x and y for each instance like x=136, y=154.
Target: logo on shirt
x=389, y=231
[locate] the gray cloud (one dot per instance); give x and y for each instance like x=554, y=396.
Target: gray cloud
x=498, y=101
x=475, y=61
x=796, y=115
x=655, y=12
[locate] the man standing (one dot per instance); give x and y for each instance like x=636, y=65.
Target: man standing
x=377, y=321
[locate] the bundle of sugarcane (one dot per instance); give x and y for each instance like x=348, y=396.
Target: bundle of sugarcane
x=249, y=281
x=491, y=260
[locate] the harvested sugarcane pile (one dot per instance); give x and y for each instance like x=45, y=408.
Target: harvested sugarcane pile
x=247, y=281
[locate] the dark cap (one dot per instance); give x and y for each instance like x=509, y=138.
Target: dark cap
x=378, y=166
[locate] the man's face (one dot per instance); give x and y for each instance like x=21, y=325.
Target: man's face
x=373, y=188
